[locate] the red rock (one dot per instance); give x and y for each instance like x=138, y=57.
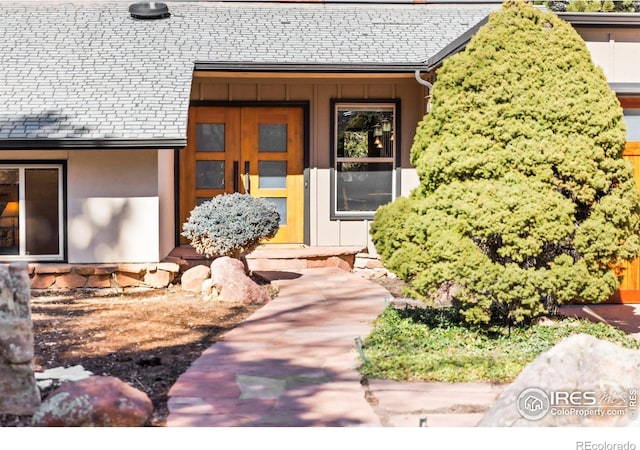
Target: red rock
x=52, y=268
x=192, y=279
x=341, y=262
x=374, y=264
x=230, y=280
x=127, y=280
x=70, y=281
x=95, y=402
x=158, y=278
x=99, y=281
x=85, y=269
x=169, y=267
x=40, y=281
x=138, y=269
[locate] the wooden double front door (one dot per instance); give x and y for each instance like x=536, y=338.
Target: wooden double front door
x=255, y=150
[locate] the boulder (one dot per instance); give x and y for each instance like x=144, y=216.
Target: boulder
x=16, y=340
x=19, y=393
x=209, y=291
x=158, y=279
x=446, y=294
x=233, y=285
x=97, y=401
x=191, y=280
x=582, y=381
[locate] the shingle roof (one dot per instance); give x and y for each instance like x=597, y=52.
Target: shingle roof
x=85, y=71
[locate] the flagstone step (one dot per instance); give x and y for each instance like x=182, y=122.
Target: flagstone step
x=280, y=257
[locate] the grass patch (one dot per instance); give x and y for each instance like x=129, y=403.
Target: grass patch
x=417, y=344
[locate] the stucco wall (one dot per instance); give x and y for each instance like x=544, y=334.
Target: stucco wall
x=617, y=52
x=319, y=92
x=113, y=206
x=113, y=200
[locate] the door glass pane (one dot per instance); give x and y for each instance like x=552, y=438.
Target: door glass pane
x=210, y=175
x=210, y=137
x=272, y=137
x=9, y=212
x=281, y=206
x=42, y=211
x=273, y=174
x=363, y=186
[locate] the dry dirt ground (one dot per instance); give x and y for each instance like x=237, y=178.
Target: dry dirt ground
x=146, y=338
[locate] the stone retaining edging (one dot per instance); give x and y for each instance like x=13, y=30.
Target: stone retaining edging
x=102, y=276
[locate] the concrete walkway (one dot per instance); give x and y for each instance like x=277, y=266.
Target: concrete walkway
x=294, y=364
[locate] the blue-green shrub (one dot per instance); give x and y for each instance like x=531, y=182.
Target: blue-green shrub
x=231, y=224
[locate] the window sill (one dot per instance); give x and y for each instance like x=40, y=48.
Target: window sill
x=351, y=217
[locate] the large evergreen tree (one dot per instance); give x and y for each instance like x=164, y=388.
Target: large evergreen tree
x=524, y=201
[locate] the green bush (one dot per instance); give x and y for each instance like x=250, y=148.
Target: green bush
x=231, y=224
x=524, y=200
x=593, y=5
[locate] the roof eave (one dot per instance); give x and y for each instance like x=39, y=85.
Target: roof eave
x=601, y=19
x=592, y=19
x=454, y=47
x=92, y=144
x=257, y=67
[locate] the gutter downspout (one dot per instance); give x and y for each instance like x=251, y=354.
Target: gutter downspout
x=423, y=82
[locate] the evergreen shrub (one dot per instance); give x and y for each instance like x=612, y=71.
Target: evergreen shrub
x=525, y=202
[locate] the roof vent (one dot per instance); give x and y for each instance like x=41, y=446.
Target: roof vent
x=150, y=10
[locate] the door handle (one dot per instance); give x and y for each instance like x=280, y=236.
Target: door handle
x=236, y=176
x=247, y=186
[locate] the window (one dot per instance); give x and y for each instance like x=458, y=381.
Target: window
x=31, y=212
x=632, y=119
x=365, y=140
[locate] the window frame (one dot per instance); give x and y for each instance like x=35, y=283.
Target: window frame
x=336, y=105
x=22, y=166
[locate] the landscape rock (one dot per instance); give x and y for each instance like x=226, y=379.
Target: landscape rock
x=233, y=285
x=43, y=281
x=209, y=291
x=70, y=280
x=16, y=340
x=446, y=294
x=19, y=394
x=582, y=381
x=192, y=279
x=98, y=401
x=158, y=279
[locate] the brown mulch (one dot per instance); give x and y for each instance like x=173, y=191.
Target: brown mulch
x=147, y=338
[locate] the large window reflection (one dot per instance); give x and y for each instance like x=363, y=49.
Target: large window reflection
x=30, y=212
x=364, y=157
